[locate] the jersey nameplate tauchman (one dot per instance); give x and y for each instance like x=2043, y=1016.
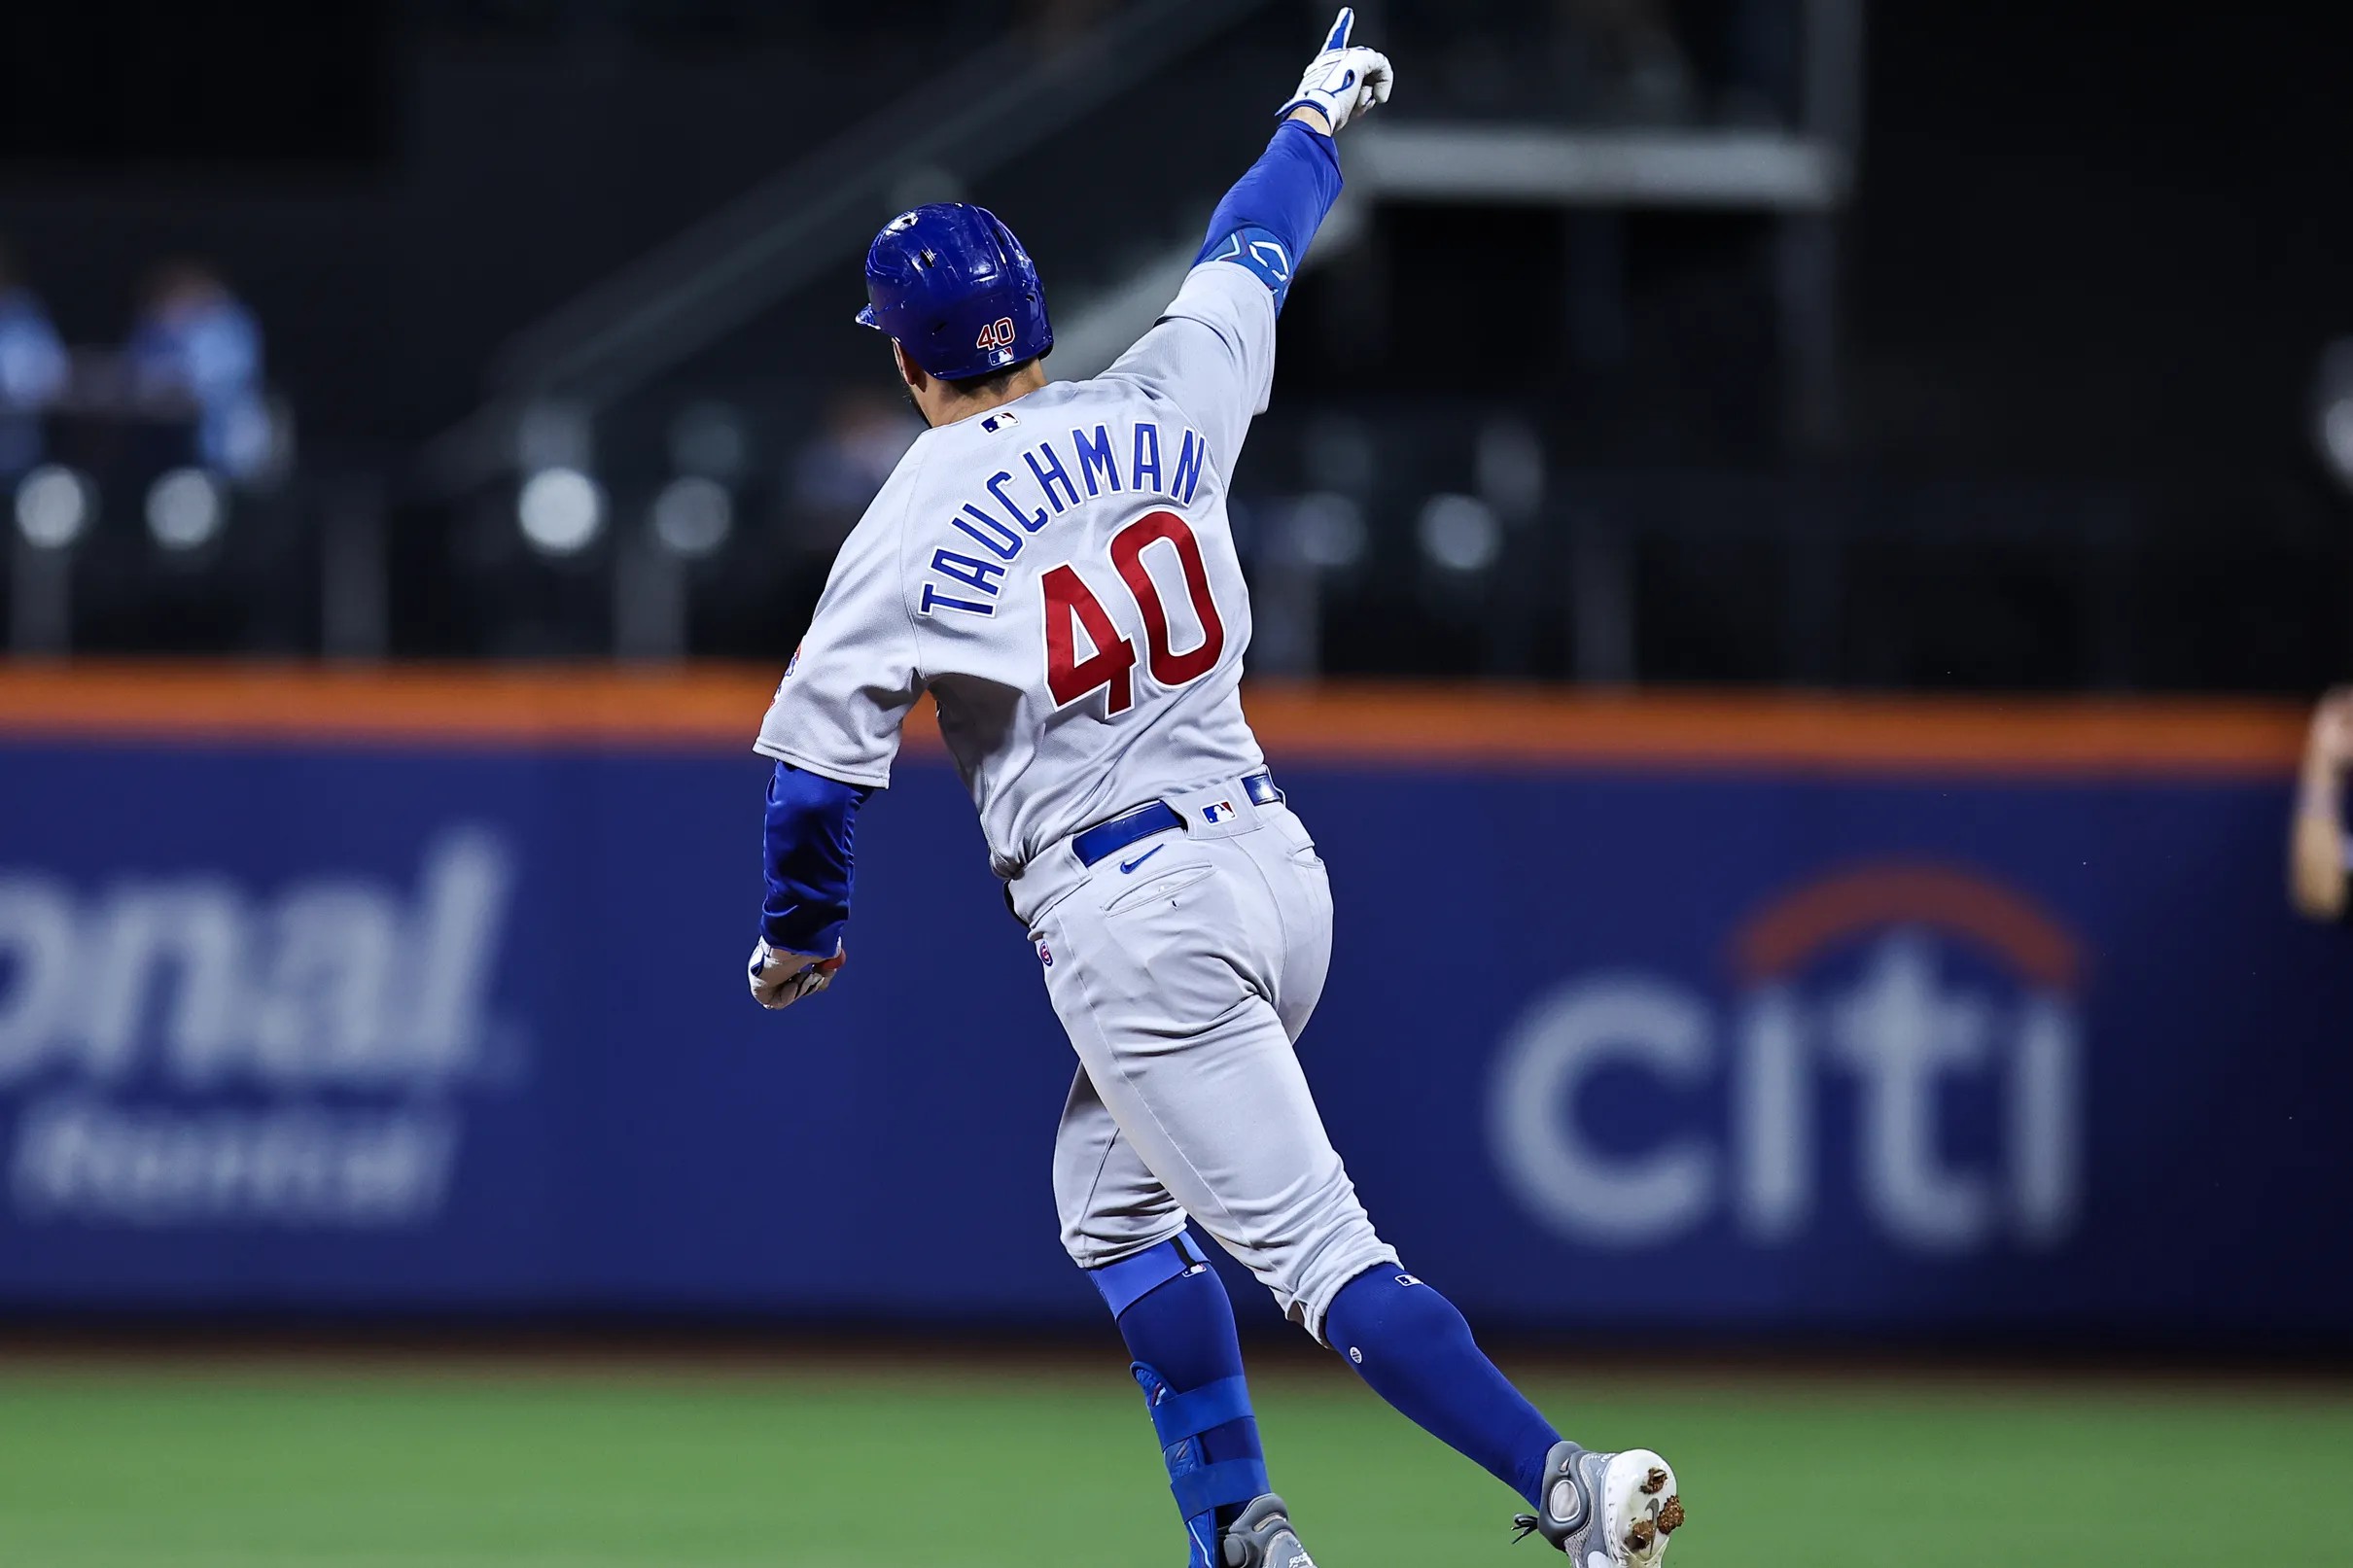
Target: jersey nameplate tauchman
x=1109, y=459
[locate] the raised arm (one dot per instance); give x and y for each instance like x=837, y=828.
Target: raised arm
x=1267, y=220
x=1213, y=351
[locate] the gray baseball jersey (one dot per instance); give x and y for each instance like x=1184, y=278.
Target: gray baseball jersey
x=1060, y=575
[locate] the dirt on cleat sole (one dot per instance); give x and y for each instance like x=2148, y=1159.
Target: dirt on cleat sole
x=1642, y=1508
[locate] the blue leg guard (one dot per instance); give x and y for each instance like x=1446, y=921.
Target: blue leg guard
x=1179, y=1324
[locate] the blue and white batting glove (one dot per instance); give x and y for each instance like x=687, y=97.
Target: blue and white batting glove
x=781, y=978
x=1344, y=82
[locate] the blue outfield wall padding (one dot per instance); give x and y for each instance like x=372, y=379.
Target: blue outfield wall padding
x=306, y=1027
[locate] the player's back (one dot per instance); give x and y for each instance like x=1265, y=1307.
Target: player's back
x=1060, y=573
x=1102, y=670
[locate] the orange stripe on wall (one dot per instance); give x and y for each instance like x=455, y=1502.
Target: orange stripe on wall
x=719, y=707
x=491, y=705
x=1938, y=736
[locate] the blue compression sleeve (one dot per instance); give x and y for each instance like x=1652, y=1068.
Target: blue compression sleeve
x=807, y=859
x=1283, y=198
x=1415, y=1351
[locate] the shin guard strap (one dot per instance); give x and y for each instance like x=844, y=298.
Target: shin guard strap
x=1227, y=1482
x=1178, y=1417
x=1125, y=1283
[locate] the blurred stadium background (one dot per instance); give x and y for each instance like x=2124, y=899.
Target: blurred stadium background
x=1790, y=550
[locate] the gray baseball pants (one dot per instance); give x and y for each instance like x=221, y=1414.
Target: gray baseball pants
x=1184, y=968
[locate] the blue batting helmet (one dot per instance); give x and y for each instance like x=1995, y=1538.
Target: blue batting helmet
x=957, y=289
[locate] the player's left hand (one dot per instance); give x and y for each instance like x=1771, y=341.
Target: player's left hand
x=780, y=978
x=1344, y=81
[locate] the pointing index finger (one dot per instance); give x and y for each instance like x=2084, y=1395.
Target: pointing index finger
x=1341, y=26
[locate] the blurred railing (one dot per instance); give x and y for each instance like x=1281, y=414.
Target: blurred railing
x=1466, y=552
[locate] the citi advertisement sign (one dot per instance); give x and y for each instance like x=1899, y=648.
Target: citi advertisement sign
x=1902, y=1041
x=190, y=1050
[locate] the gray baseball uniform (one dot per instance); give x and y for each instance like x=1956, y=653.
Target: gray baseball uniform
x=1060, y=573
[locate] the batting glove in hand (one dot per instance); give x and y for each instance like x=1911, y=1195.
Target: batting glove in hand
x=779, y=978
x=1344, y=82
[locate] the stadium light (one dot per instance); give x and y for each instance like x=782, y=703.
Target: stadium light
x=692, y=515
x=55, y=507
x=1327, y=529
x=1461, y=533
x=185, y=508
x=560, y=511
x=2333, y=411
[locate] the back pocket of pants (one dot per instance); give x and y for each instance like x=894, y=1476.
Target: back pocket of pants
x=1169, y=886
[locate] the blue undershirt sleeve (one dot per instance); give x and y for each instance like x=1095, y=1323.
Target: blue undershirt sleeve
x=1280, y=201
x=807, y=859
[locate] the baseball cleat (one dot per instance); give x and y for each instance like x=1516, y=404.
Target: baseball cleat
x=1607, y=1509
x=1263, y=1538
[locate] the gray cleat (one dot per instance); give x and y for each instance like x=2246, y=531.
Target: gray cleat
x=1607, y=1509
x=1263, y=1538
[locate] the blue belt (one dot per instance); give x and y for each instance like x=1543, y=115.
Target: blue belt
x=1114, y=834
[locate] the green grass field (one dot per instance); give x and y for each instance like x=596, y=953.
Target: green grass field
x=557, y=1463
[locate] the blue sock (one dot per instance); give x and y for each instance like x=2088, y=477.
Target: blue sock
x=1415, y=1351
x=1178, y=1323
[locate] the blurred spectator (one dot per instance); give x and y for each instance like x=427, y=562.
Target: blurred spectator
x=837, y=475
x=195, y=341
x=32, y=370
x=2319, y=869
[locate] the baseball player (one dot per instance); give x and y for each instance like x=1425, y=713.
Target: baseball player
x=1053, y=563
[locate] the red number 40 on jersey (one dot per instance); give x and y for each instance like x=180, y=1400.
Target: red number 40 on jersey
x=1072, y=607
